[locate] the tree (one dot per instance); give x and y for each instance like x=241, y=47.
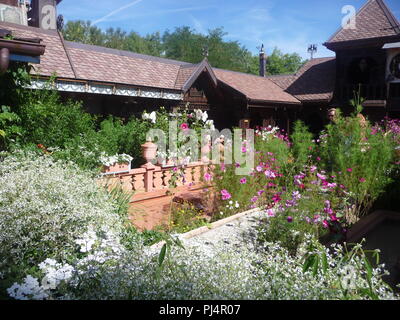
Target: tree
x=279, y=63
x=184, y=44
x=83, y=31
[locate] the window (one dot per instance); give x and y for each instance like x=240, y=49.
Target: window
x=395, y=66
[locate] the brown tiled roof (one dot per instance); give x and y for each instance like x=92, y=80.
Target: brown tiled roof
x=254, y=87
x=188, y=74
x=109, y=65
x=185, y=72
x=315, y=81
x=373, y=20
x=55, y=59
x=284, y=81
x=71, y=60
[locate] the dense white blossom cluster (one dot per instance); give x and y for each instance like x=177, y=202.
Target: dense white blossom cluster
x=51, y=210
x=152, y=117
x=267, y=133
x=46, y=206
x=202, y=272
x=109, y=161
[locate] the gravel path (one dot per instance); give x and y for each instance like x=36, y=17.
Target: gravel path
x=239, y=233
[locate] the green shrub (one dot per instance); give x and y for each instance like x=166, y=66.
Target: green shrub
x=362, y=159
x=302, y=144
x=45, y=206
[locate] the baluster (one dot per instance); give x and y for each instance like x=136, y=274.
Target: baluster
x=197, y=174
x=126, y=182
x=188, y=175
x=158, y=180
x=138, y=182
x=167, y=178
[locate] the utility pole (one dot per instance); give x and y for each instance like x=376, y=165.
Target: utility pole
x=312, y=49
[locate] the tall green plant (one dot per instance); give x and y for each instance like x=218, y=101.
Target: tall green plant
x=362, y=159
x=302, y=144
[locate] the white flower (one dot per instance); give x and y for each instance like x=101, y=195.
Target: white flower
x=152, y=116
x=204, y=116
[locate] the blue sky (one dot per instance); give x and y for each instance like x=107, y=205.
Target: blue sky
x=290, y=25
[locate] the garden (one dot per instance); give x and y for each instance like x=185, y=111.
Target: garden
x=63, y=236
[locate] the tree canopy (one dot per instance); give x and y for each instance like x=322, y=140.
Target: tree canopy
x=184, y=44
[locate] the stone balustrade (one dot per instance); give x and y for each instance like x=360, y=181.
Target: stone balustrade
x=157, y=178
x=154, y=179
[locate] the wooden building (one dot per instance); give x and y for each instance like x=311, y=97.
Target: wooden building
x=123, y=83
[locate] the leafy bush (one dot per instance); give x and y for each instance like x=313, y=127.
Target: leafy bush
x=302, y=144
x=199, y=272
x=46, y=120
x=45, y=206
x=361, y=157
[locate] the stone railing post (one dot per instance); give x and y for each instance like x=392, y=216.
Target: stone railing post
x=149, y=152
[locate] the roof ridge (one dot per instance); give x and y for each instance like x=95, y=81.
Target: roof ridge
x=341, y=27
x=126, y=53
x=393, y=21
x=389, y=14
x=243, y=73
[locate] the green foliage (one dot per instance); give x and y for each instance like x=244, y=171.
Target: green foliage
x=288, y=234
x=46, y=120
x=186, y=217
x=302, y=144
x=280, y=63
x=362, y=158
x=184, y=44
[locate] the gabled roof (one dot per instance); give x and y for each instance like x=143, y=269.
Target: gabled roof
x=254, y=87
x=77, y=61
x=314, y=82
x=373, y=20
x=188, y=74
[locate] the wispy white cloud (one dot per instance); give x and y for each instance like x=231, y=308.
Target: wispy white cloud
x=150, y=13
x=131, y=4
x=198, y=25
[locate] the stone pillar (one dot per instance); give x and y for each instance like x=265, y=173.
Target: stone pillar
x=149, y=152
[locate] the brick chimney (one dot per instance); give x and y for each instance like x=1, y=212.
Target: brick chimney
x=43, y=14
x=263, y=62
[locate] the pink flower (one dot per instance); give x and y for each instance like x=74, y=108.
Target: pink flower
x=325, y=224
x=362, y=180
x=225, y=195
x=207, y=177
x=254, y=199
x=349, y=170
x=259, y=169
x=290, y=219
x=260, y=192
x=270, y=213
x=313, y=169
x=243, y=181
x=270, y=174
x=184, y=126
x=333, y=217
x=276, y=198
x=244, y=150
x=320, y=176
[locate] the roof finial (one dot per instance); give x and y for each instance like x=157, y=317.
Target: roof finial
x=205, y=51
